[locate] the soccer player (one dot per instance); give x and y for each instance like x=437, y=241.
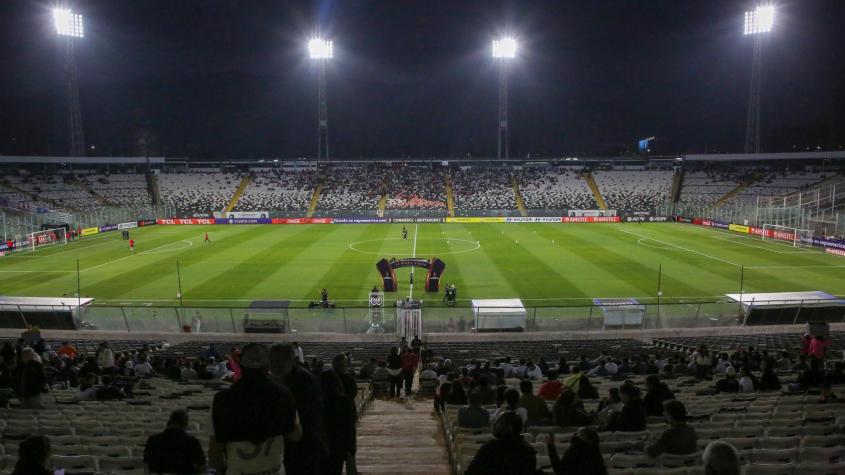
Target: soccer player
x=206, y=241
x=132, y=246
x=404, y=233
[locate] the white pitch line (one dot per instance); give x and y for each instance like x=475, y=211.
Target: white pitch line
x=414, y=254
x=681, y=248
x=765, y=248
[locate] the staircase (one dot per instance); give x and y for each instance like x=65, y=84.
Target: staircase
x=239, y=191
x=450, y=197
x=401, y=438
x=382, y=204
x=677, y=183
x=731, y=194
x=315, y=198
x=520, y=204
x=100, y=199
x=594, y=187
x=152, y=187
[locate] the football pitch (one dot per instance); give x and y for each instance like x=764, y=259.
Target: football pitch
x=543, y=264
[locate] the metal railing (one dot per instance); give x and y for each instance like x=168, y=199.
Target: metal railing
x=358, y=320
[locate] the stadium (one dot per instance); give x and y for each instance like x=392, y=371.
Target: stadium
x=641, y=306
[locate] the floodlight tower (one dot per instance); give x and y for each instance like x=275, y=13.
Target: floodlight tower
x=504, y=50
x=758, y=23
x=69, y=28
x=321, y=50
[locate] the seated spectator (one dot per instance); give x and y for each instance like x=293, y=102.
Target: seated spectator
x=582, y=457
x=608, y=406
x=87, y=388
x=680, y=438
x=211, y=352
x=550, y=390
x=381, y=374
x=485, y=392
x=512, y=405
x=33, y=456
x=536, y=409
x=174, y=450
x=507, y=454
x=632, y=417
x=728, y=384
x=532, y=371
x=473, y=416
x=428, y=374
x=784, y=362
x=769, y=380
x=721, y=458
x=366, y=371
x=108, y=392
x=188, y=373
x=747, y=382
x=568, y=412
x=67, y=351
x=801, y=365
x=658, y=392
x=599, y=369
x=143, y=369
x=457, y=394
x=562, y=366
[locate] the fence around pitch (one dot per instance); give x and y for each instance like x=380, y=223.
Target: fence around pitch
x=356, y=320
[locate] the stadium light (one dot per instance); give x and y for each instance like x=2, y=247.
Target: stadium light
x=320, y=49
x=504, y=48
x=68, y=23
x=759, y=20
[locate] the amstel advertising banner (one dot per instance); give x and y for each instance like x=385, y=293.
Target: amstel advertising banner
x=836, y=252
x=482, y=219
x=591, y=219
x=89, y=231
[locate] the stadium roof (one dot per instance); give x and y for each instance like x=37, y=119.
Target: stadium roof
x=79, y=160
x=738, y=157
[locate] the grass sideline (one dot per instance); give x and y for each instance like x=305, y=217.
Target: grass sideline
x=543, y=264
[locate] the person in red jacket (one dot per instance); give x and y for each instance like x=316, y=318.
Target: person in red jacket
x=410, y=360
x=132, y=246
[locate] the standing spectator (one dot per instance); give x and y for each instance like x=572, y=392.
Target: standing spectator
x=416, y=343
x=410, y=360
x=33, y=455
x=105, y=358
x=394, y=368
x=473, y=416
x=680, y=438
x=806, y=340
x=769, y=380
x=174, y=450
x=403, y=344
x=29, y=380
x=818, y=346
x=721, y=458
x=303, y=456
x=507, y=454
x=582, y=457
x=339, y=390
x=251, y=419
x=536, y=409
x=67, y=351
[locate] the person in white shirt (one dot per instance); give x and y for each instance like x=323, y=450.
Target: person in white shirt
x=611, y=367
x=659, y=362
x=748, y=382
x=507, y=368
x=105, y=358
x=428, y=374
x=143, y=369
x=533, y=371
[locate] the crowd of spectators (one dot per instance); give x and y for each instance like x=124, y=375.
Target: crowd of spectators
x=483, y=188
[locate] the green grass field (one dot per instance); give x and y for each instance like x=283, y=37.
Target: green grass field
x=544, y=264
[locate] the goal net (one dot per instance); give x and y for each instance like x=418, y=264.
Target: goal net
x=796, y=236
x=47, y=237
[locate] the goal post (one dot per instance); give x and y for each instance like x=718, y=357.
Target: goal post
x=796, y=236
x=48, y=237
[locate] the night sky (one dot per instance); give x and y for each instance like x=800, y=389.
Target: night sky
x=231, y=79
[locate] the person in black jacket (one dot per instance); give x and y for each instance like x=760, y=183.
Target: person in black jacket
x=29, y=380
x=658, y=392
x=632, y=417
x=394, y=368
x=33, y=454
x=508, y=453
x=583, y=457
x=339, y=391
x=769, y=380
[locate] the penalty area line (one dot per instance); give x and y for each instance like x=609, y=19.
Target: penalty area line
x=681, y=248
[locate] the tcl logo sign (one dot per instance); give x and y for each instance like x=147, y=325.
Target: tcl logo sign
x=186, y=221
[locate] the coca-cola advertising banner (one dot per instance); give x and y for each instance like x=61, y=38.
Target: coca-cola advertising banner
x=186, y=221
x=591, y=219
x=301, y=221
x=242, y=221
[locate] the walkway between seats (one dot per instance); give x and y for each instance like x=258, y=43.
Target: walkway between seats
x=399, y=437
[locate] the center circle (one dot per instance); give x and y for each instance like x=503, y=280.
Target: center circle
x=426, y=247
